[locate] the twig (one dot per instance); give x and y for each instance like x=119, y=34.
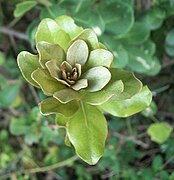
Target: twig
x=167, y=64
x=160, y=90
x=33, y=91
x=167, y=162
x=41, y=169
x=131, y=138
x=108, y=175
x=13, y=33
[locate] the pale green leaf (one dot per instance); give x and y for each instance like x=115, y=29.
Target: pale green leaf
x=67, y=141
x=48, y=84
x=89, y=36
x=66, y=95
x=97, y=78
x=53, y=106
x=61, y=120
x=23, y=7
x=77, y=53
x=102, y=46
x=27, y=64
x=62, y=39
x=53, y=68
x=159, y=132
x=100, y=97
x=49, y=31
x=49, y=51
x=80, y=84
x=99, y=57
x=128, y=107
x=67, y=24
x=87, y=131
x=131, y=84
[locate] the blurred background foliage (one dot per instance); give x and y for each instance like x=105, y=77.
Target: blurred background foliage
x=140, y=33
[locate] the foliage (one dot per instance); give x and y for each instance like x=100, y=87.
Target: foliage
x=140, y=35
x=73, y=68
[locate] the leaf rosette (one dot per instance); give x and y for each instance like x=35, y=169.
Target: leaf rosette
x=74, y=69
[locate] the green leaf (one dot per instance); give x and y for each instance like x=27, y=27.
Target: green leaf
x=89, y=37
x=67, y=24
x=171, y=176
x=141, y=62
x=157, y=163
x=9, y=94
x=48, y=84
x=53, y=106
x=90, y=18
x=27, y=64
x=169, y=50
x=169, y=45
x=67, y=95
x=51, y=12
x=48, y=52
x=159, y=132
x=119, y=52
x=149, y=47
x=23, y=7
x=154, y=18
x=121, y=57
x=100, y=97
x=18, y=126
x=77, y=53
x=53, y=68
x=97, y=78
x=49, y=31
x=87, y=131
x=99, y=57
x=151, y=110
x=137, y=35
x=130, y=106
x=117, y=15
x=2, y=59
x=61, y=120
x=80, y=84
x=131, y=84
x=170, y=38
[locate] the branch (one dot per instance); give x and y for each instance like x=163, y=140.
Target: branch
x=131, y=138
x=13, y=33
x=41, y=169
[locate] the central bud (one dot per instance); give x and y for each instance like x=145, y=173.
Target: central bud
x=70, y=74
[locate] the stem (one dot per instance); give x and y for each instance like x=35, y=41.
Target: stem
x=42, y=169
x=128, y=123
x=14, y=33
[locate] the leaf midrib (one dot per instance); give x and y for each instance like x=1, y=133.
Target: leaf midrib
x=84, y=113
